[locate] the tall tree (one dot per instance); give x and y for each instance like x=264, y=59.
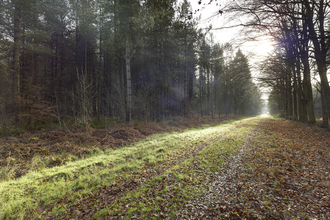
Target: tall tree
x=112, y=58
x=295, y=24
x=239, y=82
x=316, y=12
x=218, y=71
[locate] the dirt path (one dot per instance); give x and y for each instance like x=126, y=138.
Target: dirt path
x=164, y=196
x=110, y=195
x=206, y=205
x=256, y=168
x=282, y=171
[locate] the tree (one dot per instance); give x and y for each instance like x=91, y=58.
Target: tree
x=218, y=71
x=239, y=82
x=204, y=76
x=133, y=58
x=293, y=25
x=316, y=20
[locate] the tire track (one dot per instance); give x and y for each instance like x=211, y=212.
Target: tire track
x=109, y=195
x=214, y=201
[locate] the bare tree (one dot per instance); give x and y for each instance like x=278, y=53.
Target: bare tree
x=294, y=24
x=82, y=99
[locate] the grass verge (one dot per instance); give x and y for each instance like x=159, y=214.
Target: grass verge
x=117, y=178
x=164, y=195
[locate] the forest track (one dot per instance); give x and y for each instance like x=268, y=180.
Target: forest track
x=111, y=194
x=169, y=177
x=70, y=190
x=257, y=168
x=227, y=180
x=281, y=172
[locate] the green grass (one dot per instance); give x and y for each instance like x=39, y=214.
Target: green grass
x=180, y=183
x=43, y=186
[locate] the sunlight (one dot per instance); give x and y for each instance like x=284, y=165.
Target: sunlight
x=259, y=50
x=256, y=50
x=263, y=47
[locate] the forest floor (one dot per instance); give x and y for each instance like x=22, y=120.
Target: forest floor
x=58, y=145
x=253, y=168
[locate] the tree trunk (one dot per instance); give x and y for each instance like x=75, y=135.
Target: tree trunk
x=320, y=51
x=129, y=83
x=16, y=51
x=289, y=107
x=200, y=94
x=325, y=92
x=307, y=85
x=185, y=73
x=295, y=107
x=208, y=91
x=308, y=94
x=301, y=99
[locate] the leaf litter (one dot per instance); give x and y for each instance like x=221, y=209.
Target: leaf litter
x=20, y=150
x=114, y=197
x=282, y=173
x=277, y=169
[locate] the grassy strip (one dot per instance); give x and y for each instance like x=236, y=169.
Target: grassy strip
x=33, y=193
x=163, y=196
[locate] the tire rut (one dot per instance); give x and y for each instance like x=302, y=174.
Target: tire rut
x=213, y=201
x=107, y=195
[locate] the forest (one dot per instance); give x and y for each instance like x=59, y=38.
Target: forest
x=134, y=109
x=297, y=72
x=94, y=59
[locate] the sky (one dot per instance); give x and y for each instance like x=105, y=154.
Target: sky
x=207, y=13
x=256, y=51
